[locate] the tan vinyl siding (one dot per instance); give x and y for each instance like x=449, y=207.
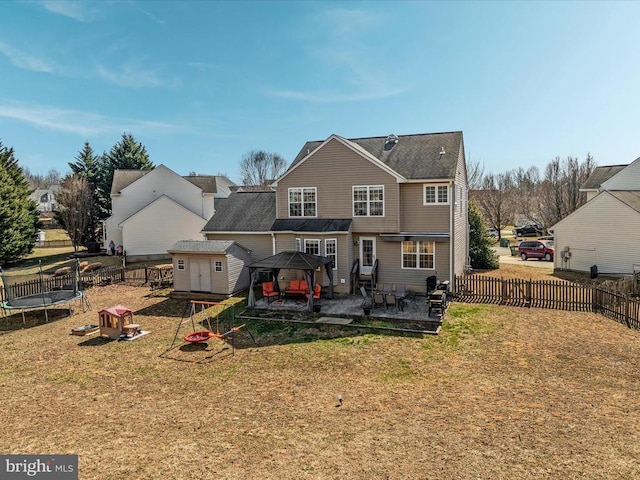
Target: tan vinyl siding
x=237, y=270
x=460, y=235
x=604, y=232
x=389, y=256
x=417, y=217
x=334, y=170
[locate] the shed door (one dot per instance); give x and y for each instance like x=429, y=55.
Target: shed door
x=200, y=271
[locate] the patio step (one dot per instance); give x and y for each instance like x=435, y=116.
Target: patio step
x=335, y=320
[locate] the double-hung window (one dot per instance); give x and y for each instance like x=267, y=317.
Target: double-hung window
x=302, y=202
x=368, y=201
x=419, y=255
x=436, y=194
x=331, y=251
x=312, y=246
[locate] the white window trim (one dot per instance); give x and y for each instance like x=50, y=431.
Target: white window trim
x=298, y=244
x=435, y=185
x=302, y=189
x=309, y=241
x=181, y=264
x=215, y=266
x=402, y=267
x=353, y=201
x=335, y=253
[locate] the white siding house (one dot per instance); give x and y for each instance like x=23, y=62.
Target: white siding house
x=603, y=232
x=151, y=210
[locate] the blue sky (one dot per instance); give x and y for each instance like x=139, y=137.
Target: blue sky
x=202, y=83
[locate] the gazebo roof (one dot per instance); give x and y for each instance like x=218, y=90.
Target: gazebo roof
x=292, y=260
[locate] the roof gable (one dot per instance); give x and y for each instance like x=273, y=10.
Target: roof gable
x=149, y=177
x=347, y=143
x=430, y=156
x=164, y=203
x=625, y=198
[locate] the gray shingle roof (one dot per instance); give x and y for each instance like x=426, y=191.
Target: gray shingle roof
x=124, y=178
x=202, y=246
x=316, y=225
x=601, y=175
x=205, y=182
x=243, y=212
x=414, y=156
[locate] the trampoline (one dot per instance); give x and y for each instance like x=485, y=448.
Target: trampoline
x=39, y=291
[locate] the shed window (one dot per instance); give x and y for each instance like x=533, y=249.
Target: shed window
x=181, y=265
x=217, y=266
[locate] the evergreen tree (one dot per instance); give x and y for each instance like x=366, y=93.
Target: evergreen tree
x=18, y=213
x=482, y=256
x=87, y=166
x=126, y=154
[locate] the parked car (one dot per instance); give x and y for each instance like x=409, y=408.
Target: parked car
x=531, y=230
x=493, y=233
x=536, y=249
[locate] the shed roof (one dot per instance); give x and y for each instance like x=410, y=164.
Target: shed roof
x=117, y=311
x=413, y=156
x=203, y=246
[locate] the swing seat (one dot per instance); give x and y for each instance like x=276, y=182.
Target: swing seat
x=199, y=337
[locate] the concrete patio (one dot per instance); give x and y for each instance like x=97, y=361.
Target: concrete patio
x=350, y=306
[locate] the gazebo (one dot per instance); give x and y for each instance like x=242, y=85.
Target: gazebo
x=292, y=261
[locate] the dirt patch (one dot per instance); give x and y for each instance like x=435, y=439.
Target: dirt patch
x=500, y=393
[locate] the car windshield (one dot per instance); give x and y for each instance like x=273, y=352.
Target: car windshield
x=549, y=243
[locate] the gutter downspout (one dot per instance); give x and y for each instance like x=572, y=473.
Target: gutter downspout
x=273, y=243
x=451, y=234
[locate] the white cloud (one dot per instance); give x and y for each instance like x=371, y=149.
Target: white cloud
x=342, y=21
x=78, y=122
x=130, y=76
x=26, y=61
x=76, y=10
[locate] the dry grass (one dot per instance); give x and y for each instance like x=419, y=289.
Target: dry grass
x=502, y=393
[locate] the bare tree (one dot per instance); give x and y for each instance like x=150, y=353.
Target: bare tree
x=76, y=204
x=475, y=174
x=526, y=199
x=494, y=199
x=259, y=168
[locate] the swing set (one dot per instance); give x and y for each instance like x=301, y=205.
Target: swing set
x=200, y=314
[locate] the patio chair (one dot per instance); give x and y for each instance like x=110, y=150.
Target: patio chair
x=269, y=292
x=367, y=301
x=401, y=294
x=378, y=300
x=316, y=291
x=390, y=300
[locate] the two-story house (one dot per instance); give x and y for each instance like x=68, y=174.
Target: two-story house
x=395, y=206
x=604, y=231
x=153, y=209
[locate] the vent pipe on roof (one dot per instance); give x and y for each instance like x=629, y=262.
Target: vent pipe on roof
x=442, y=152
x=390, y=142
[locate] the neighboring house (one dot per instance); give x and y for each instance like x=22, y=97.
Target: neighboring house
x=213, y=266
x=604, y=231
x=393, y=206
x=45, y=198
x=152, y=209
x=598, y=177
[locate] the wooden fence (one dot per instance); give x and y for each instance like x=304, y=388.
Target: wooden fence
x=130, y=275
x=53, y=243
x=548, y=294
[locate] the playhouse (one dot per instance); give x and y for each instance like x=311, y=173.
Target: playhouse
x=116, y=321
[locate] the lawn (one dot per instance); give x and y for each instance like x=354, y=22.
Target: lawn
x=500, y=393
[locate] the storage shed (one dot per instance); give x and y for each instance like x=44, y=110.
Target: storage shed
x=210, y=266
